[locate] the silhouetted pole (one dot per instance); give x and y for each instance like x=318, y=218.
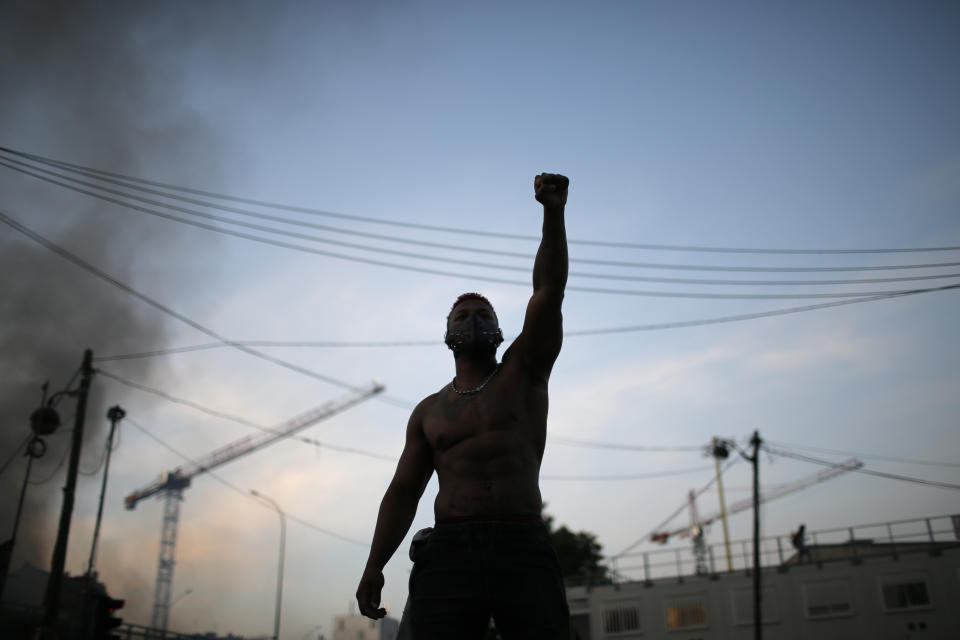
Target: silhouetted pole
x=757, y=598
x=51, y=600
x=283, y=542
x=35, y=449
x=720, y=451
x=115, y=414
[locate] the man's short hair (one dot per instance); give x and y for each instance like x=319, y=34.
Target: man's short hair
x=471, y=295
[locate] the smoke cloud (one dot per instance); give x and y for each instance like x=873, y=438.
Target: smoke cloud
x=85, y=84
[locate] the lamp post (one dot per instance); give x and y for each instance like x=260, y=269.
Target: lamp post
x=115, y=415
x=36, y=448
x=283, y=542
x=179, y=598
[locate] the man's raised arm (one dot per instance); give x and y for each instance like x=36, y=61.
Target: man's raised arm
x=543, y=324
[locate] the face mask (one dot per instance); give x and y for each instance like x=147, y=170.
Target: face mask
x=473, y=334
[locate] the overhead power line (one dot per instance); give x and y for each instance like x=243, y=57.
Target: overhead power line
x=270, y=343
x=233, y=487
x=56, y=470
x=567, y=334
x=417, y=269
x=462, y=248
x=243, y=421
x=363, y=452
x=932, y=463
x=571, y=442
x=470, y=232
x=628, y=476
x=237, y=419
x=752, y=316
x=869, y=472
x=107, y=445
x=16, y=453
x=86, y=266
x=187, y=403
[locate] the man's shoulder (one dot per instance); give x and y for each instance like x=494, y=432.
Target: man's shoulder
x=518, y=360
x=426, y=405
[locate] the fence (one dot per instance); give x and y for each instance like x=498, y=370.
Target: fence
x=825, y=545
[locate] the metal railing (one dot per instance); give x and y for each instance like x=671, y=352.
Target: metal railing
x=129, y=631
x=17, y=618
x=854, y=544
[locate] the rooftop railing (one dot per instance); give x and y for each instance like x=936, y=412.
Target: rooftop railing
x=850, y=544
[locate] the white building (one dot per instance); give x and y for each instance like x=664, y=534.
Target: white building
x=357, y=627
x=888, y=581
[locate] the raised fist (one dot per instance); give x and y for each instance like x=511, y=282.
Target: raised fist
x=550, y=189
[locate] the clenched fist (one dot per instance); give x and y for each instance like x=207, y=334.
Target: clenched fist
x=368, y=594
x=551, y=190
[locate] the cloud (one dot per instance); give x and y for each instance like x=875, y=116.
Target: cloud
x=637, y=387
x=859, y=353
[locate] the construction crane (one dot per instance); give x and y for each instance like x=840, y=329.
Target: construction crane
x=171, y=485
x=697, y=524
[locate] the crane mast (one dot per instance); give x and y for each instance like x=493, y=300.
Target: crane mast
x=171, y=485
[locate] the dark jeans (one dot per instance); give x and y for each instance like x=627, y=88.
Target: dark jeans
x=468, y=572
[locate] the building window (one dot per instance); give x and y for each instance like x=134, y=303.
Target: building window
x=621, y=618
x=827, y=599
x=743, y=607
x=904, y=592
x=688, y=613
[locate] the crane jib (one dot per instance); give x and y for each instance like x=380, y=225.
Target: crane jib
x=179, y=478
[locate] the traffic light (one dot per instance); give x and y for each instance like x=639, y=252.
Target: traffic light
x=104, y=621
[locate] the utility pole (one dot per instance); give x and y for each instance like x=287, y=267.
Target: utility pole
x=720, y=452
x=51, y=600
x=36, y=448
x=115, y=414
x=757, y=592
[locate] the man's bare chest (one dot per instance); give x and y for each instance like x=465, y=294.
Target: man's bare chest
x=454, y=419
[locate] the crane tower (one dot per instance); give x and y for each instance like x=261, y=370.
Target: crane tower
x=171, y=485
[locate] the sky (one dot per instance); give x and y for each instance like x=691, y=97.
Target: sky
x=682, y=127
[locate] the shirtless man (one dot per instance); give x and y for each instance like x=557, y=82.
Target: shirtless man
x=489, y=554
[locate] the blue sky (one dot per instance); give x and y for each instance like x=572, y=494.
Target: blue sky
x=744, y=125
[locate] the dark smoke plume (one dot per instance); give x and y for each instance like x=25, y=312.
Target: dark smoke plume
x=88, y=84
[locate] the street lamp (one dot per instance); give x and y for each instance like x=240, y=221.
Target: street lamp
x=181, y=597
x=283, y=542
x=36, y=447
x=178, y=599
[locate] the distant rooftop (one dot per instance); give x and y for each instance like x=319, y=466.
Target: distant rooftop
x=922, y=535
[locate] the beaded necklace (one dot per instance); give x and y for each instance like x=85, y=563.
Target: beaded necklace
x=478, y=388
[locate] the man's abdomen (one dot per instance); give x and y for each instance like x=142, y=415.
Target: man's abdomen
x=488, y=477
